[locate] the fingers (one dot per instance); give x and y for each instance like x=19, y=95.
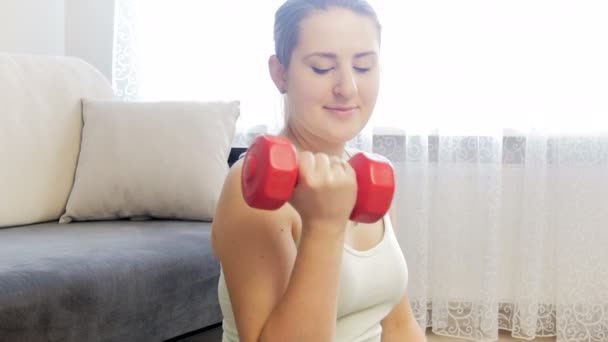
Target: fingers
x=312, y=164
x=307, y=162
x=322, y=163
x=340, y=166
x=335, y=163
x=327, y=188
x=308, y=165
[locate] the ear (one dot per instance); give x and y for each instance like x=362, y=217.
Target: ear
x=278, y=73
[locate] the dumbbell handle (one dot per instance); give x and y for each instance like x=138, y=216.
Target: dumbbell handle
x=270, y=173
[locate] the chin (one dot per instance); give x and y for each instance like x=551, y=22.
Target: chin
x=342, y=136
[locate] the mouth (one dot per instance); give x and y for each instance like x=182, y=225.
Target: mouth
x=341, y=111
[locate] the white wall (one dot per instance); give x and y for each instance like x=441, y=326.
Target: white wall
x=32, y=26
x=79, y=28
x=89, y=27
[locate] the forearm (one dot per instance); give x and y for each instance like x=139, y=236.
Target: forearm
x=307, y=310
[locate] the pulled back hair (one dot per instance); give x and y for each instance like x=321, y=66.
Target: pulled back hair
x=289, y=16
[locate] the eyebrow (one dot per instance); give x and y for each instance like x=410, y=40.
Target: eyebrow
x=334, y=56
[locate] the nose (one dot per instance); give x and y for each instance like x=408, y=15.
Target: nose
x=346, y=85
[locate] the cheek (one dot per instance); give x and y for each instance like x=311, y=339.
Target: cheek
x=310, y=91
x=368, y=90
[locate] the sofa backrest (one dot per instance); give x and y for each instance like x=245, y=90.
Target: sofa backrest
x=40, y=127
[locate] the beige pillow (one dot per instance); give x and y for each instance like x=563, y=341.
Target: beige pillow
x=151, y=159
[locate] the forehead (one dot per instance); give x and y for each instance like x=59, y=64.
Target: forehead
x=337, y=30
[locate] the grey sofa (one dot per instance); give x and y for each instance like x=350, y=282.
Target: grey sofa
x=118, y=280
x=107, y=281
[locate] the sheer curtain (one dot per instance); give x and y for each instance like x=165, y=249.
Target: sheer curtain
x=494, y=116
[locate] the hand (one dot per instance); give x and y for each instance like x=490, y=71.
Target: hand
x=326, y=191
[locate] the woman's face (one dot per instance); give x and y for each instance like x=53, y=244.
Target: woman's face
x=333, y=77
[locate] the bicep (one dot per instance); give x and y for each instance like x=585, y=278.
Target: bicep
x=256, y=275
x=257, y=253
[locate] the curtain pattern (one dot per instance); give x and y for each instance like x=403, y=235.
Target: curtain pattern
x=504, y=232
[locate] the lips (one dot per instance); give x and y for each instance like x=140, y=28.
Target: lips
x=341, y=111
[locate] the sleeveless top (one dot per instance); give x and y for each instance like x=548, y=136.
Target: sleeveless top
x=372, y=282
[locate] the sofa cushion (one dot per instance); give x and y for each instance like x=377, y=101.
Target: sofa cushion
x=40, y=125
x=151, y=159
x=107, y=281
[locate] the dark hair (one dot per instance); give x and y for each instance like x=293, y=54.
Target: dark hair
x=288, y=17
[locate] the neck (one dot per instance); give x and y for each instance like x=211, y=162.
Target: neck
x=313, y=144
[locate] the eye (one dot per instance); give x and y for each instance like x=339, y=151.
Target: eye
x=361, y=70
x=321, y=71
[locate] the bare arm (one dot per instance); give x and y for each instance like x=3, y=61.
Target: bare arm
x=311, y=294
x=277, y=292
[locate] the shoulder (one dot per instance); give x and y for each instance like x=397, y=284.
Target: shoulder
x=235, y=221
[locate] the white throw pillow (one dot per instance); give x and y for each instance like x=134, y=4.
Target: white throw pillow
x=151, y=159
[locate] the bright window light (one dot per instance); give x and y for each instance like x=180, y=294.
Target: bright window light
x=461, y=65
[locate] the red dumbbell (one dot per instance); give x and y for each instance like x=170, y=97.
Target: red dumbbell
x=270, y=173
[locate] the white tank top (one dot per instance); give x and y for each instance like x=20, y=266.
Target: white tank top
x=372, y=282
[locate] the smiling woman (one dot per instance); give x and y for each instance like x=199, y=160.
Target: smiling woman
x=329, y=70
x=316, y=275
x=492, y=113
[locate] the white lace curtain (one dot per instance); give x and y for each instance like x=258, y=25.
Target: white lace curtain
x=493, y=114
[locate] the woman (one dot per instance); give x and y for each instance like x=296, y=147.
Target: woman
x=304, y=272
